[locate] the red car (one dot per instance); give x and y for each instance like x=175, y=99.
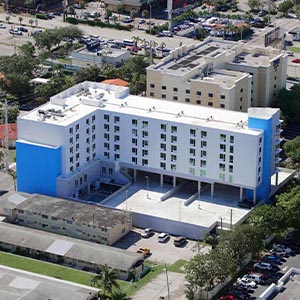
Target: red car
x=296, y=61
x=134, y=48
x=228, y=297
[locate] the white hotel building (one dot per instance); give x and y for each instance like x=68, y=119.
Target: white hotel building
x=94, y=131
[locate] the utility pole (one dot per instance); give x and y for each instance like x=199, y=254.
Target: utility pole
x=6, y=137
x=166, y=270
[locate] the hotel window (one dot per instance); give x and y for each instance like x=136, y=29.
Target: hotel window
x=77, y=156
x=93, y=137
x=71, y=140
x=203, y=153
x=173, y=148
x=71, y=130
x=222, y=156
x=231, y=139
x=77, y=147
x=106, y=154
x=222, y=176
x=163, y=96
x=134, y=141
x=145, y=133
x=192, y=152
x=223, y=138
x=134, y=122
x=106, y=136
x=116, y=138
x=93, y=118
x=223, y=147
x=163, y=137
x=134, y=132
x=173, y=157
x=106, y=127
x=198, y=102
x=87, y=158
x=106, y=118
x=175, y=89
x=145, y=124
x=203, y=144
x=173, y=129
x=117, y=129
x=231, y=158
x=152, y=85
x=210, y=95
x=163, y=156
x=144, y=162
x=116, y=147
x=193, y=132
x=145, y=143
x=260, y=140
x=198, y=93
x=106, y=146
x=134, y=160
x=203, y=134
x=116, y=119
x=210, y=104
x=94, y=155
x=71, y=149
x=242, y=90
x=163, y=87
x=175, y=98
x=193, y=142
x=192, y=171
x=163, y=165
x=187, y=100
x=94, y=147
x=202, y=172
x=222, y=105
x=230, y=178
x=222, y=97
x=87, y=121
x=88, y=149
x=222, y=167
x=241, y=107
x=151, y=94
x=192, y=161
x=134, y=150
x=173, y=167
x=77, y=165
x=88, y=140
x=77, y=127
x=77, y=137
x=202, y=163
x=71, y=159
x=231, y=149
x=163, y=127
x=187, y=91
x=173, y=139
x=163, y=147
x=145, y=152
x=116, y=156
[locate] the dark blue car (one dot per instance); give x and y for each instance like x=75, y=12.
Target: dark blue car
x=273, y=259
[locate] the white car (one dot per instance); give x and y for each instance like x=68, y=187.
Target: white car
x=2, y=26
x=282, y=247
x=246, y=282
x=263, y=266
x=163, y=237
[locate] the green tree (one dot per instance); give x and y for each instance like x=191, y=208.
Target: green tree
x=20, y=20
x=145, y=14
x=31, y=21
x=120, y=8
x=254, y=4
x=289, y=103
x=108, y=13
x=201, y=34
x=133, y=14
x=292, y=150
x=71, y=10
x=285, y=6
x=119, y=295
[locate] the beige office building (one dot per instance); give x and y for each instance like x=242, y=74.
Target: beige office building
x=220, y=74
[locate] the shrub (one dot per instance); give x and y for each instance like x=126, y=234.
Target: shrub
x=41, y=16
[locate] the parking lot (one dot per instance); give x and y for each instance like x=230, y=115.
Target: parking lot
x=160, y=252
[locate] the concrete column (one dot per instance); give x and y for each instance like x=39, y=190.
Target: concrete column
x=161, y=180
x=254, y=196
x=276, y=178
x=212, y=189
x=174, y=181
x=241, y=193
x=134, y=175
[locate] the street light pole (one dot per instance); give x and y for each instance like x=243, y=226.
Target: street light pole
x=147, y=185
x=167, y=277
x=150, y=16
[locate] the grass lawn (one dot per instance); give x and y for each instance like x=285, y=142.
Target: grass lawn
x=177, y=267
x=294, y=49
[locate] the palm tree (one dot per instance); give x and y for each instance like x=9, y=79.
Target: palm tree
x=120, y=8
x=20, y=20
x=7, y=18
x=118, y=295
x=106, y=279
x=145, y=14
x=13, y=174
x=136, y=39
x=31, y=21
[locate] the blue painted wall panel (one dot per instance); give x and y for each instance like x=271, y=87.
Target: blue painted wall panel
x=37, y=168
x=263, y=190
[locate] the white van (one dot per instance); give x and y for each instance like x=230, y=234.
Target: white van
x=256, y=277
x=128, y=42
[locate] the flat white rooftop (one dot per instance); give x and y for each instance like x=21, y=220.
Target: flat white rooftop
x=88, y=97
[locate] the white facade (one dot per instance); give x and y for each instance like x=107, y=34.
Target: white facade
x=101, y=129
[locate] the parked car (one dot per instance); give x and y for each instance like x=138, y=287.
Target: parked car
x=143, y=250
x=246, y=282
x=283, y=247
x=142, y=21
x=2, y=26
x=163, y=237
x=263, y=266
x=15, y=32
x=228, y=297
x=279, y=252
x=180, y=241
x=127, y=20
x=148, y=232
x=262, y=13
x=256, y=277
x=272, y=259
x=288, y=43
